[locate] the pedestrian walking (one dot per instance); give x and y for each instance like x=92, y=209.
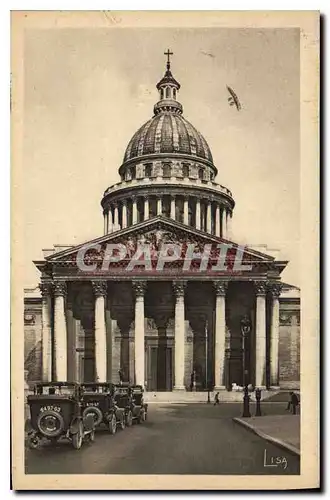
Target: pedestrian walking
x=289, y=402
x=216, y=399
x=294, y=402
x=193, y=381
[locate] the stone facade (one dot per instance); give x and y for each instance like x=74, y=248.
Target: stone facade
x=158, y=325
x=160, y=335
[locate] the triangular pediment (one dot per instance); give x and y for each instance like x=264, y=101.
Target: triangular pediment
x=156, y=236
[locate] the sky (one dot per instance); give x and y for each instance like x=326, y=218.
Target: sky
x=86, y=92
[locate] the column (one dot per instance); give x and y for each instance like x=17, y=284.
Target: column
x=198, y=213
x=105, y=222
x=159, y=205
x=274, y=333
x=208, y=217
x=220, y=334
x=124, y=214
x=146, y=208
x=134, y=210
x=217, y=220
x=260, y=333
x=223, y=223
x=116, y=219
x=179, y=336
x=185, y=211
x=110, y=220
x=60, y=333
x=139, y=289
x=45, y=289
x=172, y=214
x=100, y=292
x=229, y=225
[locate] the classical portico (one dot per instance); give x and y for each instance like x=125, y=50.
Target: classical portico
x=157, y=328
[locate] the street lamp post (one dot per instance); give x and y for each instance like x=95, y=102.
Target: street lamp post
x=207, y=361
x=245, y=329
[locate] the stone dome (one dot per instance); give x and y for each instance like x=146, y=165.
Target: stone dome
x=168, y=132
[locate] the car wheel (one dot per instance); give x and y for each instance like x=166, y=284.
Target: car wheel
x=143, y=416
x=113, y=424
x=92, y=436
x=122, y=422
x=95, y=412
x=50, y=423
x=129, y=419
x=77, y=438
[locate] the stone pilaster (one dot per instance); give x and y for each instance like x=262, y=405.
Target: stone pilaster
x=60, y=331
x=146, y=208
x=220, y=288
x=100, y=292
x=159, y=205
x=105, y=222
x=208, y=217
x=46, y=290
x=172, y=214
x=110, y=220
x=275, y=289
x=198, y=213
x=217, y=220
x=134, y=210
x=179, y=354
x=139, y=289
x=223, y=223
x=124, y=214
x=229, y=226
x=185, y=211
x=116, y=219
x=260, y=287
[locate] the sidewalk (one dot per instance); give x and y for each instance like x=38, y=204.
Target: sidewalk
x=283, y=430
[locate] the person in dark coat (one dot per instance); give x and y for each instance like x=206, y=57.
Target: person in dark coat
x=121, y=376
x=193, y=380
x=294, y=402
x=216, y=399
x=289, y=402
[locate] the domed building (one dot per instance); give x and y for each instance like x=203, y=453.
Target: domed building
x=164, y=298
x=168, y=170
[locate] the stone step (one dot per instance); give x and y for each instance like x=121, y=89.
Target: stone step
x=201, y=397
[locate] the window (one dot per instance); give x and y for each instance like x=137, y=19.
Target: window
x=166, y=170
x=185, y=169
x=168, y=92
x=132, y=173
x=174, y=93
x=162, y=93
x=201, y=174
x=148, y=169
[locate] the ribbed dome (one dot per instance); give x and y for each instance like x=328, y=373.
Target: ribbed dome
x=168, y=132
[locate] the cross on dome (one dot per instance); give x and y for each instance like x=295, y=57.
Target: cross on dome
x=168, y=54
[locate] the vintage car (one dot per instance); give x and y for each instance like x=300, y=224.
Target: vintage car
x=139, y=407
x=99, y=401
x=130, y=398
x=56, y=412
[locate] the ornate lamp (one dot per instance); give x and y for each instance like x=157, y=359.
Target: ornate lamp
x=245, y=330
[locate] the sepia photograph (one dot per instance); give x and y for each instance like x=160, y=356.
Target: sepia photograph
x=159, y=187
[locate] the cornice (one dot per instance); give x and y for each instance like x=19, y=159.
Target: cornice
x=167, y=156
x=199, y=191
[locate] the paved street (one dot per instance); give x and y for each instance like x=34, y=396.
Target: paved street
x=176, y=439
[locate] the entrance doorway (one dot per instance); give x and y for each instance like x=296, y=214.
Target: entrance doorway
x=159, y=363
